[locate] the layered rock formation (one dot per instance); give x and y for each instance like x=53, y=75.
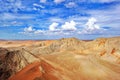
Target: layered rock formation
x=12, y=61
x=64, y=59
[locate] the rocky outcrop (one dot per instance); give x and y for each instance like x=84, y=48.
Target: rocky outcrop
x=64, y=44
x=12, y=61
x=9, y=62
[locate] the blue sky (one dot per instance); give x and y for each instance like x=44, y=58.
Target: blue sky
x=53, y=19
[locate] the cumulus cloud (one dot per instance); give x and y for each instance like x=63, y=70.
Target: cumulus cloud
x=91, y=24
x=58, y=1
x=29, y=29
x=38, y=32
x=53, y=26
x=91, y=27
x=66, y=26
x=71, y=5
x=69, y=26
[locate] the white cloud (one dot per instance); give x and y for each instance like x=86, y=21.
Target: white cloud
x=10, y=16
x=10, y=23
x=66, y=26
x=56, y=19
x=91, y=27
x=38, y=31
x=71, y=5
x=108, y=17
x=29, y=29
x=35, y=8
x=58, y=1
x=64, y=29
x=12, y=5
x=91, y=24
x=69, y=26
x=51, y=11
x=53, y=26
x=43, y=1
x=38, y=5
x=103, y=1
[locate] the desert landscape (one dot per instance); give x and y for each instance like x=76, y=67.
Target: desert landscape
x=62, y=59
x=59, y=39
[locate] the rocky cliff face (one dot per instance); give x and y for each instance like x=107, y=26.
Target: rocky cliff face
x=64, y=59
x=9, y=61
x=12, y=61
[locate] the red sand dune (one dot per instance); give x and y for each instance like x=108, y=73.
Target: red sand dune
x=30, y=72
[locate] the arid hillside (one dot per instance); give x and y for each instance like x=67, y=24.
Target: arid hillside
x=63, y=59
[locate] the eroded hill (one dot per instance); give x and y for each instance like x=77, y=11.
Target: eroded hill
x=64, y=59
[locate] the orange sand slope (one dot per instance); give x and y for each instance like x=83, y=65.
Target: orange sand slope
x=30, y=72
